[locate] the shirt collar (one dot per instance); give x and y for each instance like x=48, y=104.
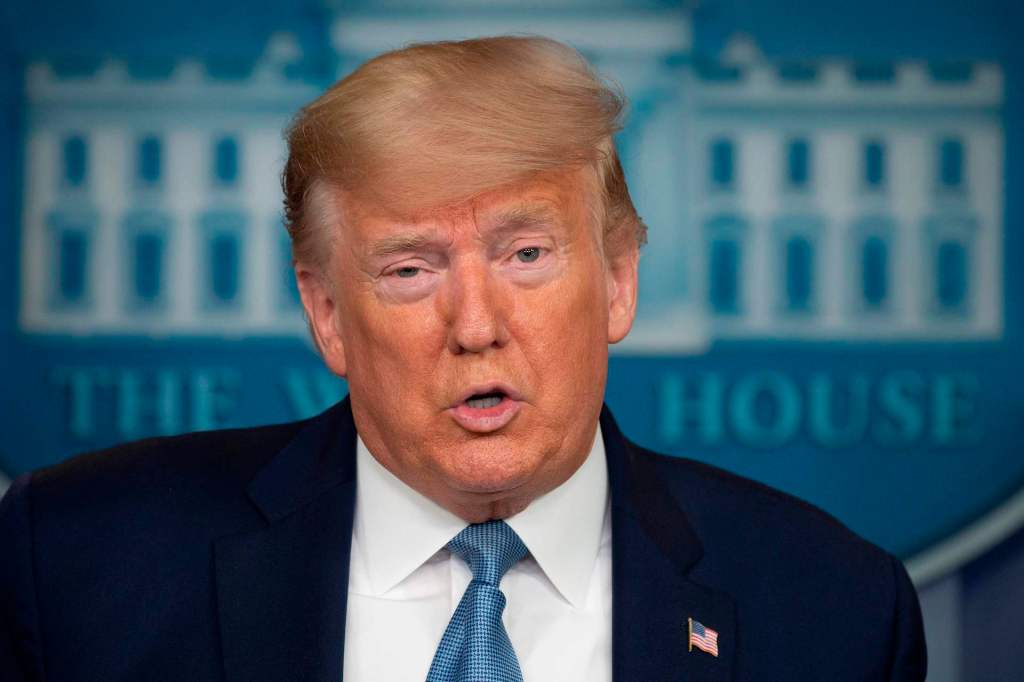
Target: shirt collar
x=398, y=529
x=562, y=529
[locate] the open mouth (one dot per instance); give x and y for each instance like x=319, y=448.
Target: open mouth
x=482, y=401
x=486, y=408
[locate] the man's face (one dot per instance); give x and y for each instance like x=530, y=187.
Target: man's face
x=474, y=337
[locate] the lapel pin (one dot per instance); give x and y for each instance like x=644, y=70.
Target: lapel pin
x=703, y=637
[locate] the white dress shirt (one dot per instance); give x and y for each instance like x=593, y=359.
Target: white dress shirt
x=404, y=585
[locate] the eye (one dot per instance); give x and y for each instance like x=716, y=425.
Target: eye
x=528, y=255
x=407, y=272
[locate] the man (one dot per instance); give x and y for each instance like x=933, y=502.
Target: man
x=466, y=249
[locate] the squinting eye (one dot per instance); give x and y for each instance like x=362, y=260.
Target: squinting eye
x=528, y=255
x=407, y=272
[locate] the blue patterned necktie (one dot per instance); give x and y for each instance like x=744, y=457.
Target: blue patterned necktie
x=475, y=646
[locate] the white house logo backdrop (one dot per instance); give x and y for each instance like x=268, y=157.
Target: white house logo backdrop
x=822, y=299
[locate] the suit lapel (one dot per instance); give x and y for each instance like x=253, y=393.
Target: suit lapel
x=654, y=547
x=282, y=589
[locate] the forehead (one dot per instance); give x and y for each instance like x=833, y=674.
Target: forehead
x=553, y=198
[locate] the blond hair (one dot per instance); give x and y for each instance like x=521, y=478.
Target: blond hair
x=437, y=123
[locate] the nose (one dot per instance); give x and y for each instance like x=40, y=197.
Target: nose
x=476, y=310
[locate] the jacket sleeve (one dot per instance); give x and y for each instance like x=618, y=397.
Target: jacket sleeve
x=20, y=655
x=909, y=658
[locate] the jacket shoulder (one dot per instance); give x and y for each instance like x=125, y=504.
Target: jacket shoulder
x=182, y=470
x=125, y=538
x=753, y=535
x=722, y=503
x=796, y=572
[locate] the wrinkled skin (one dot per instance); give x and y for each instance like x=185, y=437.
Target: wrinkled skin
x=512, y=286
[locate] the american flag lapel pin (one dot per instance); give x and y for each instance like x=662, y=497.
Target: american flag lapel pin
x=703, y=637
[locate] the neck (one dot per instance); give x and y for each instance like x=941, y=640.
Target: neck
x=486, y=511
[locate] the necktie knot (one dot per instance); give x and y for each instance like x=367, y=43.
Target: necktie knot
x=490, y=549
x=475, y=646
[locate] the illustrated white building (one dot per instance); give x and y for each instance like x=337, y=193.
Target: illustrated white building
x=812, y=201
x=847, y=201
x=152, y=206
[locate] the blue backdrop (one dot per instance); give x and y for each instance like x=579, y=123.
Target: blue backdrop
x=830, y=301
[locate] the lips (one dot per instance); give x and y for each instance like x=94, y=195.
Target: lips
x=486, y=408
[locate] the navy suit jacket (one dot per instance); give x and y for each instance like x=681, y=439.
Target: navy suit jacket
x=224, y=556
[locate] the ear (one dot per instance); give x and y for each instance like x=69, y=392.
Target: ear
x=621, y=276
x=322, y=314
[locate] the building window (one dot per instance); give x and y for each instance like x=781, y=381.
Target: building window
x=223, y=257
x=874, y=165
x=799, y=273
x=76, y=161
x=725, y=235
x=796, y=237
x=871, y=250
x=949, y=240
x=225, y=161
x=951, y=271
x=149, y=160
x=146, y=246
x=951, y=162
x=74, y=261
x=722, y=158
x=874, y=274
x=725, y=268
x=148, y=259
x=71, y=253
x=798, y=162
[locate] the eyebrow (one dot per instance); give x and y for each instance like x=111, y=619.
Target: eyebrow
x=523, y=218
x=399, y=243
x=505, y=222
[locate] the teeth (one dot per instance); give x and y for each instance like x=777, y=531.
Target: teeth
x=483, y=403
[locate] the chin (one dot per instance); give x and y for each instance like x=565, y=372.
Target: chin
x=488, y=475
x=482, y=483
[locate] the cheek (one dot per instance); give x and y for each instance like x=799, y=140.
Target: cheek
x=583, y=309
x=565, y=332
x=389, y=349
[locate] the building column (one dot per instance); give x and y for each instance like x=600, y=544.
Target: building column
x=186, y=189
x=757, y=164
x=109, y=266
x=911, y=173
